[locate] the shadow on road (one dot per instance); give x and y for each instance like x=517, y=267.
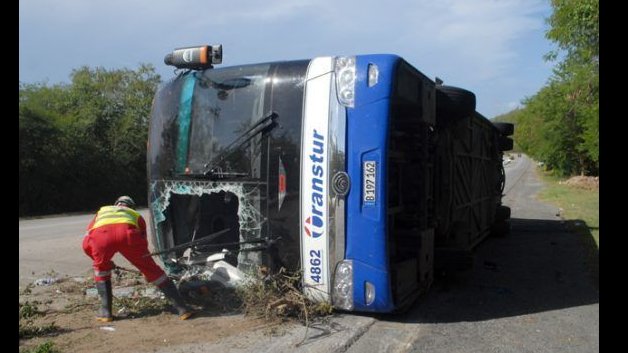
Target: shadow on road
x=540, y=266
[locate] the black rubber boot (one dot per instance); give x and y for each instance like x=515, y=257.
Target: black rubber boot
x=106, y=298
x=172, y=294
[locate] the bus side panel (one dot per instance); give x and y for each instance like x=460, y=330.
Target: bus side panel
x=367, y=138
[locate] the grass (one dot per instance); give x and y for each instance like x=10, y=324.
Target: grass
x=46, y=347
x=29, y=310
x=576, y=205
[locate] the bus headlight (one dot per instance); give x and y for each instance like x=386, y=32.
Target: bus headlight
x=344, y=68
x=342, y=291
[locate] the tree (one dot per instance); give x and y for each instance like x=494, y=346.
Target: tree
x=574, y=26
x=560, y=124
x=84, y=138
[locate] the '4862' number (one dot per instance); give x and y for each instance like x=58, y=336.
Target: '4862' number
x=315, y=262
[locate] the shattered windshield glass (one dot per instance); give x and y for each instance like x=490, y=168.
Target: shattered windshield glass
x=190, y=210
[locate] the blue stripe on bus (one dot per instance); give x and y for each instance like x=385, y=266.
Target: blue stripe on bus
x=367, y=138
x=184, y=117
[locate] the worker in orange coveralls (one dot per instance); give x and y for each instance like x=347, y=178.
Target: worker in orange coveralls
x=119, y=228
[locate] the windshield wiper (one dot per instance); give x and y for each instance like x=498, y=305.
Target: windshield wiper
x=264, y=125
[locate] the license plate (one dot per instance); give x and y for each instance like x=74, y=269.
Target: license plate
x=369, y=182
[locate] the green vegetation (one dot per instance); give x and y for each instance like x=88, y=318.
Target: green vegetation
x=29, y=310
x=579, y=206
x=46, y=347
x=87, y=137
x=559, y=125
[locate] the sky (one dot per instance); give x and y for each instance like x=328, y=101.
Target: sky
x=493, y=48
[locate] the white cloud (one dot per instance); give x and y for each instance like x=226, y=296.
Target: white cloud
x=477, y=39
x=477, y=44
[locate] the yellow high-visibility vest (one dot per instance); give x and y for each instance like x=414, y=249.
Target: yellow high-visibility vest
x=115, y=215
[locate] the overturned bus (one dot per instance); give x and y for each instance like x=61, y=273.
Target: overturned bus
x=359, y=171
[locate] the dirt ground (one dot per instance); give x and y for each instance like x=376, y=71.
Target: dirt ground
x=63, y=313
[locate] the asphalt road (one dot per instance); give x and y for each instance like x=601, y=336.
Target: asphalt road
x=532, y=291
x=54, y=244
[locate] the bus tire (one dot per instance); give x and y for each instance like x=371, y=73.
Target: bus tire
x=453, y=103
x=501, y=185
x=502, y=213
x=505, y=144
x=506, y=129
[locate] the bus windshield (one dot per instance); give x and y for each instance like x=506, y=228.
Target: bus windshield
x=198, y=115
x=219, y=117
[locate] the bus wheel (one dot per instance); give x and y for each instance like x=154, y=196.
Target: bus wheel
x=506, y=129
x=505, y=144
x=453, y=103
x=502, y=213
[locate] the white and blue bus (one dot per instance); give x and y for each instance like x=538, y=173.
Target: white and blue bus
x=360, y=171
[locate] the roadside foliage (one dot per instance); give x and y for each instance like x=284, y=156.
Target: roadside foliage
x=559, y=125
x=84, y=142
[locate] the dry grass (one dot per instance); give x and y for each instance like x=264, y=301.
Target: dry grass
x=278, y=297
x=28, y=329
x=583, y=182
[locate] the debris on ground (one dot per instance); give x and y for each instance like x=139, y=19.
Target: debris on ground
x=63, y=314
x=278, y=296
x=125, y=292
x=273, y=297
x=45, y=281
x=229, y=300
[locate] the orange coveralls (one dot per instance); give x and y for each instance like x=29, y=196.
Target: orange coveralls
x=102, y=242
